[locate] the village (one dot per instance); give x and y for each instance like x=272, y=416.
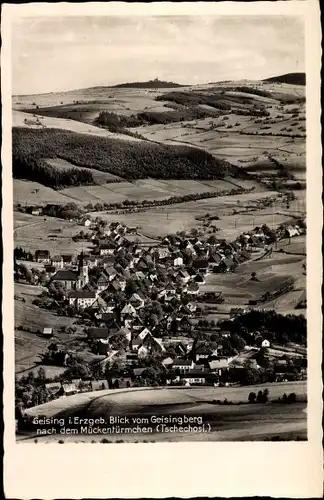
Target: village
x=140, y=312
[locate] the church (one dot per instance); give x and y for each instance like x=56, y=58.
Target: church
x=73, y=280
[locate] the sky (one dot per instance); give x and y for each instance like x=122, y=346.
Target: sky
x=51, y=54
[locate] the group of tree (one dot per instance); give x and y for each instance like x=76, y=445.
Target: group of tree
x=35, y=169
x=275, y=327
x=131, y=160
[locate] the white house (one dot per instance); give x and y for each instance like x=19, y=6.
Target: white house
x=178, y=261
x=82, y=298
x=265, y=343
x=87, y=223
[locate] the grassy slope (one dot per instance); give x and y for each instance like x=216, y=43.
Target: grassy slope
x=253, y=422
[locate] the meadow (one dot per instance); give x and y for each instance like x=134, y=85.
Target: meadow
x=39, y=233
x=227, y=422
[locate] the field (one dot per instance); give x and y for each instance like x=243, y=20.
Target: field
x=272, y=273
x=27, y=120
x=227, y=422
x=37, y=232
x=237, y=213
x=29, y=345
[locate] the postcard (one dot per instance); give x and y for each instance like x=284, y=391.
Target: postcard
x=162, y=254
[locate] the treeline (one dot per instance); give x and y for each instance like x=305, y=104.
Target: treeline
x=254, y=91
x=118, y=123
x=277, y=328
x=195, y=98
x=34, y=168
x=150, y=84
x=130, y=160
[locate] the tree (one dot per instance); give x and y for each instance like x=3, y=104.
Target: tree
x=260, y=397
x=41, y=374
x=292, y=398
x=252, y=397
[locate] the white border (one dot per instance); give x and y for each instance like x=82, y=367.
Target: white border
x=172, y=469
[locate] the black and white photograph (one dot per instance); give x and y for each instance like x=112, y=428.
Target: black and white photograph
x=159, y=220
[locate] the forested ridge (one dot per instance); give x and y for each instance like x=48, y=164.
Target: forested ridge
x=130, y=160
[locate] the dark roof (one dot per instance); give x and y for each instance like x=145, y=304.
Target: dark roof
x=200, y=263
x=106, y=246
x=65, y=275
x=42, y=253
x=82, y=294
x=184, y=362
x=67, y=258
x=50, y=269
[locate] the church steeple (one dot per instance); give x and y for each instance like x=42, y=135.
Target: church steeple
x=83, y=277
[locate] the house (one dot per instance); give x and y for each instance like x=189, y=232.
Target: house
x=136, y=324
x=82, y=299
x=121, y=283
x=184, y=276
x=107, y=249
x=136, y=344
x=99, y=385
x=153, y=344
x=69, y=389
x=200, y=265
x=192, y=288
x=66, y=277
x=110, y=272
x=43, y=256
x=87, y=223
x=177, y=260
x=48, y=332
x=126, y=332
x=193, y=377
x=128, y=309
x=57, y=261
x=265, y=343
x=143, y=351
x=202, y=353
x=53, y=389
x=67, y=260
x=101, y=305
x=199, y=278
x=121, y=382
x=218, y=366
x=36, y=211
x=167, y=362
x=50, y=271
x=162, y=252
x=291, y=231
x=183, y=366
x=131, y=358
x=102, y=346
x=137, y=301
x=138, y=371
x=144, y=333
x=102, y=282
x=91, y=261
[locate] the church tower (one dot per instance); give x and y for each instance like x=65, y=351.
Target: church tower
x=83, y=277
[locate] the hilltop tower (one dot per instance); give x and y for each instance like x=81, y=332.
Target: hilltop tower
x=83, y=276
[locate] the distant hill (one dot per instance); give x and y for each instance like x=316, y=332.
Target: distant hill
x=151, y=84
x=291, y=78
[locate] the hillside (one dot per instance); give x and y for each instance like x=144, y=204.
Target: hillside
x=290, y=78
x=150, y=84
x=130, y=160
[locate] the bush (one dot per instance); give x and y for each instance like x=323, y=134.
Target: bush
x=252, y=397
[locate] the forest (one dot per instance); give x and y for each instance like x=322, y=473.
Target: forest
x=130, y=160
